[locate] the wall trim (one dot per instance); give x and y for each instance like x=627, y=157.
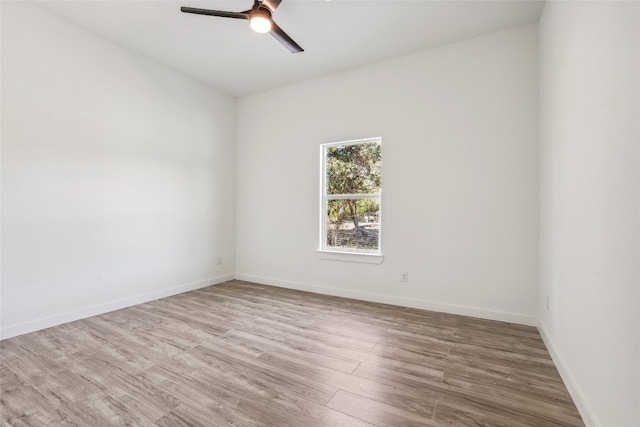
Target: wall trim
x=83, y=313
x=585, y=410
x=501, y=316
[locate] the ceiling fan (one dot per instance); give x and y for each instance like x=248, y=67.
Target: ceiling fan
x=259, y=17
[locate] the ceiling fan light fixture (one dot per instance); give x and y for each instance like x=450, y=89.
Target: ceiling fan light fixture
x=260, y=21
x=259, y=17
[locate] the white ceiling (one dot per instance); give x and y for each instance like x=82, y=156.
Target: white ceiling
x=336, y=35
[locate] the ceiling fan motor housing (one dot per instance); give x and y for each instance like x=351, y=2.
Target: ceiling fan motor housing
x=260, y=19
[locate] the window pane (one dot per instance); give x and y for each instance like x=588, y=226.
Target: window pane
x=354, y=169
x=353, y=224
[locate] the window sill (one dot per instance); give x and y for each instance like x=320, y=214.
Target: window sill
x=350, y=257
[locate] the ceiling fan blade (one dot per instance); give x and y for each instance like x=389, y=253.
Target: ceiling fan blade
x=221, y=13
x=283, y=38
x=271, y=4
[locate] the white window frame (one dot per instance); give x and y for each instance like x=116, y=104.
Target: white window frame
x=346, y=254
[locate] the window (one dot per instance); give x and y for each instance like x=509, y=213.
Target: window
x=351, y=196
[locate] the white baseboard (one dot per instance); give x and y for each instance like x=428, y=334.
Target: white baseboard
x=501, y=316
x=70, y=316
x=587, y=414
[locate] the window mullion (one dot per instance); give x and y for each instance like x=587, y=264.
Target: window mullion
x=352, y=196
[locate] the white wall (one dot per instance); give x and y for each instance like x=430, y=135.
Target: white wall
x=590, y=204
x=459, y=130
x=117, y=175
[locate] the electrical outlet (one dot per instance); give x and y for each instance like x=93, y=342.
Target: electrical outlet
x=404, y=276
x=547, y=302
x=219, y=260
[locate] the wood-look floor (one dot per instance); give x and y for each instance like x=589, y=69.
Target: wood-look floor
x=243, y=354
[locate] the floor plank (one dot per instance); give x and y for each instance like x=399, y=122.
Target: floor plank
x=245, y=354
x=373, y=411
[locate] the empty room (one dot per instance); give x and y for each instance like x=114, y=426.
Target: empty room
x=316, y=213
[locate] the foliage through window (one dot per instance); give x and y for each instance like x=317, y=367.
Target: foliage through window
x=351, y=189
